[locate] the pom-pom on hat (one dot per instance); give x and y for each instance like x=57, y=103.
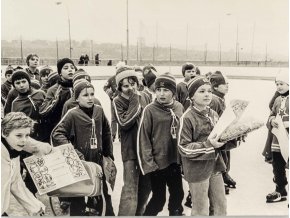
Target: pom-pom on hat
x=120, y=64
x=124, y=72
x=282, y=76
x=187, y=66
x=79, y=85
x=167, y=81
x=20, y=74
x=30, y=56
x=45, y=70
x=62, y=62
x=9, y=70
x=195, y=83
x=81, y=74
x=218, y=78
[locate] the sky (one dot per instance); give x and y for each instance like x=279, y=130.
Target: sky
x=254, y=24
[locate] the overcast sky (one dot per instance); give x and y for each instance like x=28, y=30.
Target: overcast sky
x=161, y=22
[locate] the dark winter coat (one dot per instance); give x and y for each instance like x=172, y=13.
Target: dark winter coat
x=35, y=75
x=5, y=88
x=218, y=103
x=182, y=94
x=156, y=147
x=10, y=97
x=111, y=87
x=128, y=112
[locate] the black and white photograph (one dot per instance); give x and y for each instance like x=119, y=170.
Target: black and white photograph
x=145, y=108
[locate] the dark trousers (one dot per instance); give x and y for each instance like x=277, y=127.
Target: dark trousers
x=114, y=123
x=170, y=176
x=226, y=155
x=279, y=171
x=78, y=204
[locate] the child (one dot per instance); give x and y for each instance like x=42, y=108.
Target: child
x=52, y=79
x=220, y=87
x=281, y=107
x=70, y=103
x=44, y=72
x=87, y=128
x=158, y=155
x=15, y=131
x=32, y=61
x=202, y=163
x=7, y=85
x=149, y=74
x=188, y=72
x=128, y=105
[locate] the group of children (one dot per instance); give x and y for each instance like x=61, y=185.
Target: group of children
x=164, y=130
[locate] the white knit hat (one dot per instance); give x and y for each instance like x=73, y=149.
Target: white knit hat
x=283, y=76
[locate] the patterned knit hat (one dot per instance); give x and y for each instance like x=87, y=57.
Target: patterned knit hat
x=195, y=83
x=20, y=74
x=188, y=66
x=45, y=70
x=81, y=74
x=167, y=81
x=123, y=73
x=282, y=76
x=9, y=70
x=53, y=77
x=218, y=78
x=79, y=85
x=62, y=62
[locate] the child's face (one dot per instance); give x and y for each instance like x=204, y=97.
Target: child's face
x=44, y=78
x=282, y=87
x=68, y=71
x=223, y=88
x=21, y=85
x=17, y=138
x=33, y=61
x=9, y=76
x=189, y=74
x=203, y=96
x=163, y=95
x=86, y=97
x=129, y=86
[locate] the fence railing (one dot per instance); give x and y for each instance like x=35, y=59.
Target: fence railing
x=105, y=62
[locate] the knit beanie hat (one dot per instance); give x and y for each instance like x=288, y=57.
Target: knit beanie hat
x=167, y=81
x=45, y=70
x=195, y=83
x=62, y=62
x=218, y=78
x=187, y=66
x=282, y=76
x=30, y=56
x=81, y=74
x=35, y=84
x=18, y=68
x=9, y=70
x=79, y=85
x=124, y=72
x=20, y=74
x=53, y=77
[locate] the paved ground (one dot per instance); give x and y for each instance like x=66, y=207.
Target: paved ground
x=253, y=175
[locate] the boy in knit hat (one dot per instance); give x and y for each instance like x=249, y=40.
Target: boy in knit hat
x=7, y=85
x=128, y=105
x=44, y=72
x=157, y=147
x=149, y=74
x=188, y=72
x=59, y=93
x=280, y=108
x=202, y=164
x=93, y=141
x=32, y=61
x=70, y=103
x=220, y=87
x=52, y=79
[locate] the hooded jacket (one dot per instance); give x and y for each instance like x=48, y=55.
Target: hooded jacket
x=156, y=147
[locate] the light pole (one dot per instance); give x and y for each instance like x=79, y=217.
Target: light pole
x=68, y=18
x=127, y=34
